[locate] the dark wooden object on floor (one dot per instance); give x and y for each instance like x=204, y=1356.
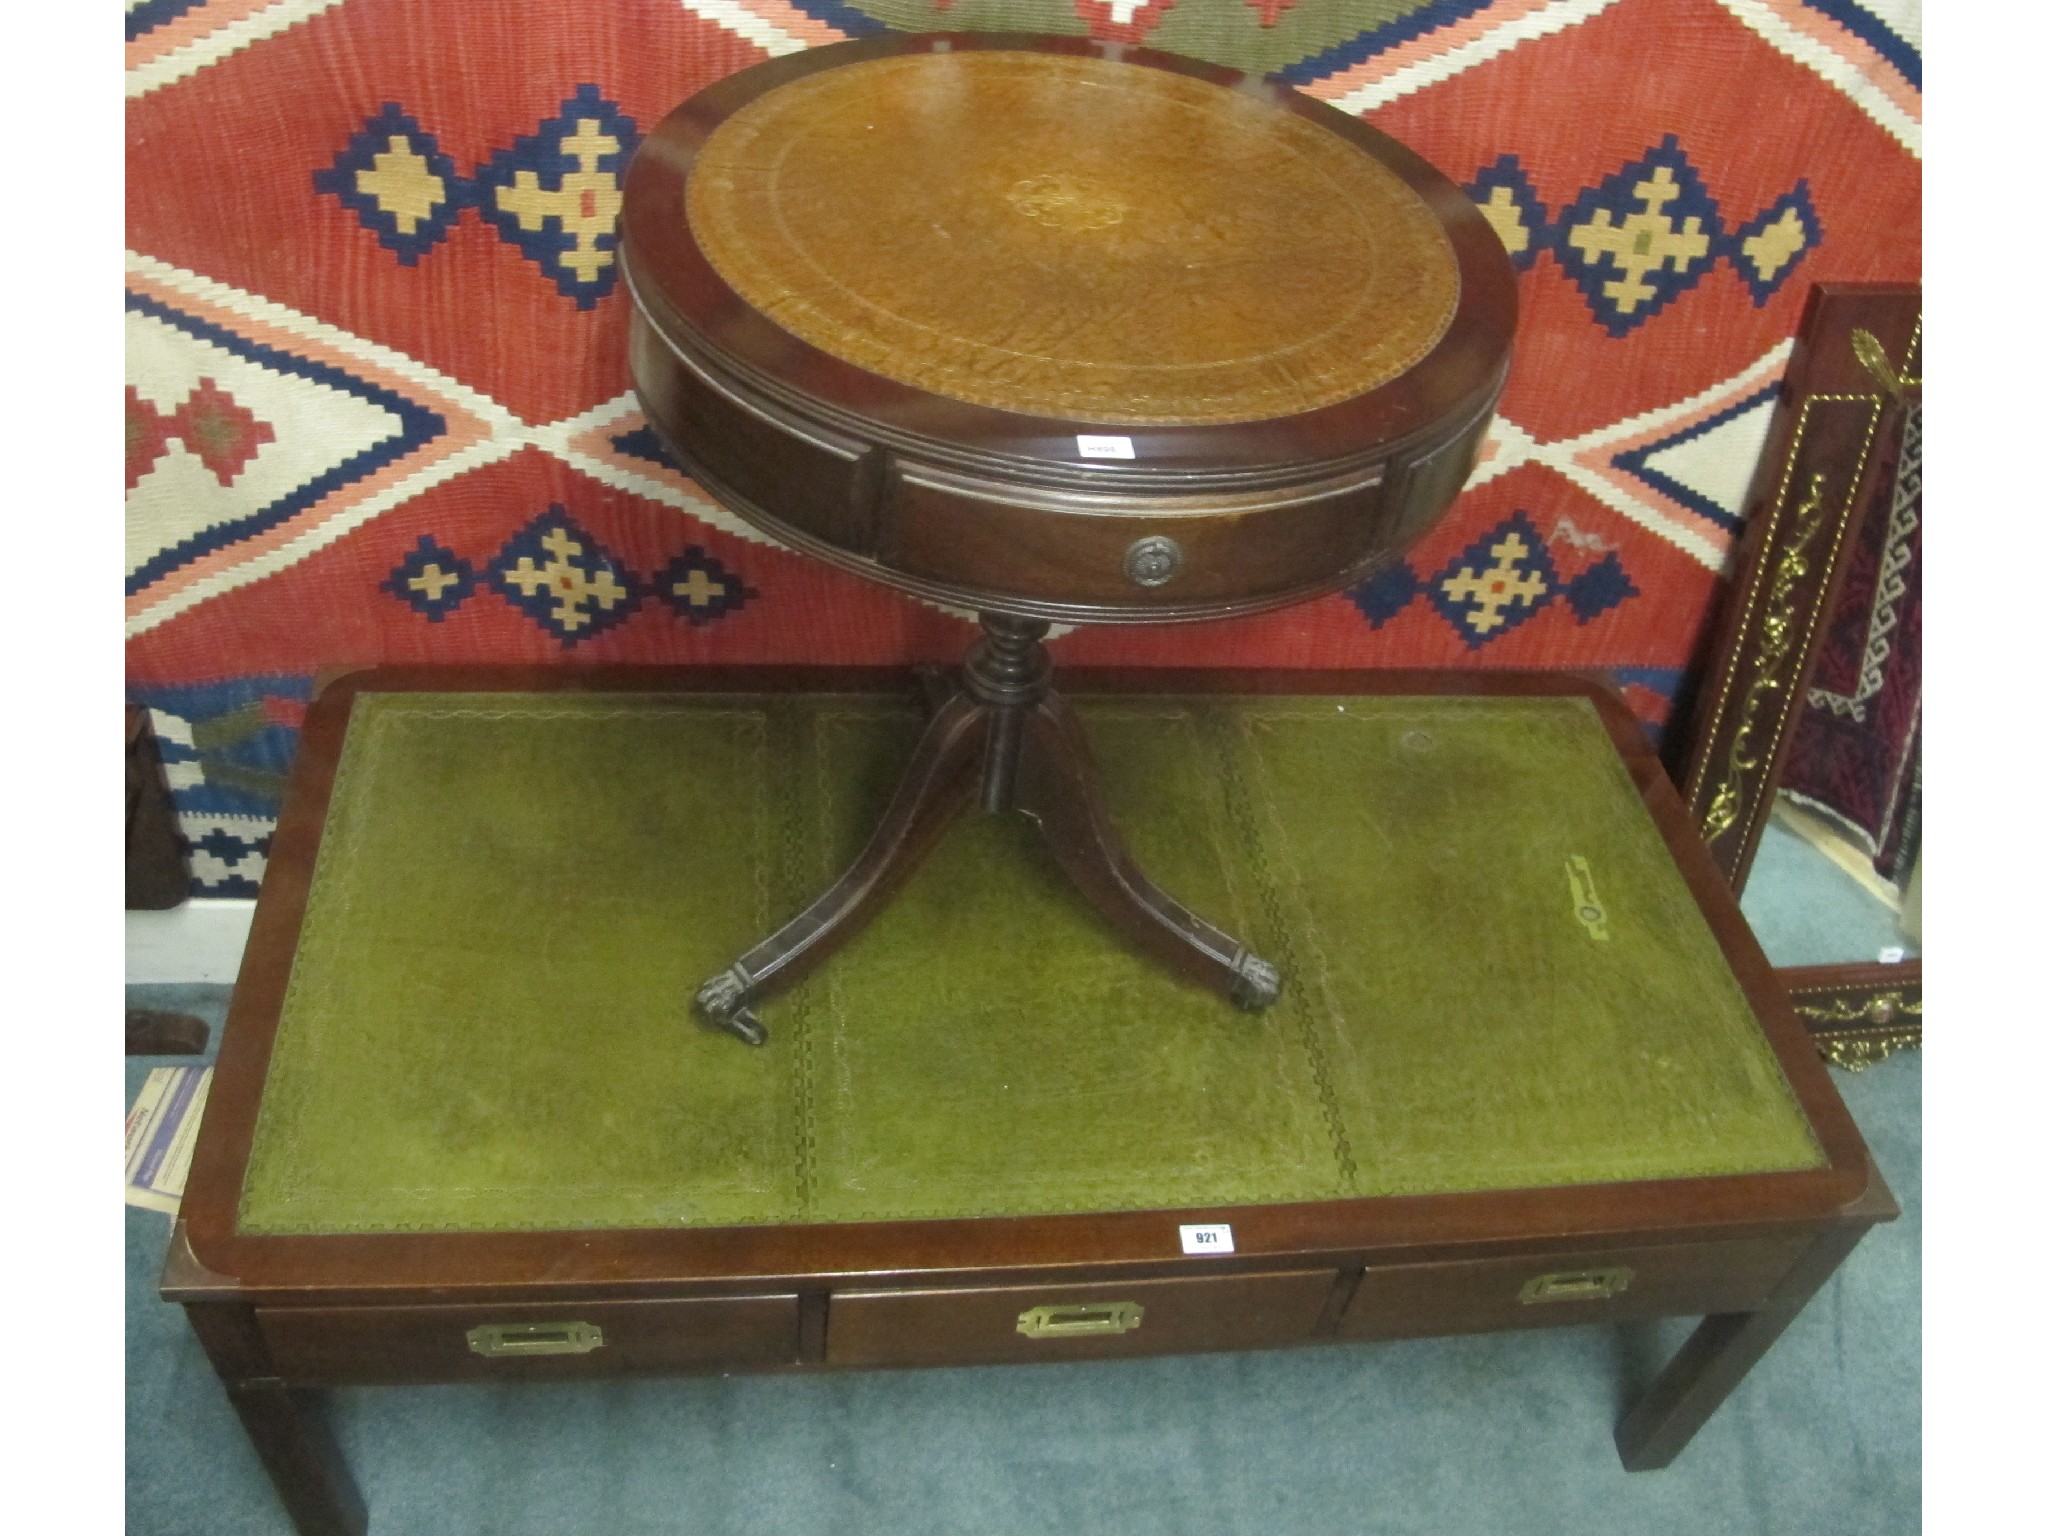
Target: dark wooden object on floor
x=1825, y=468
x=153, y=1032
x=159, y=875
x=280, y=1315
x=1286, y=331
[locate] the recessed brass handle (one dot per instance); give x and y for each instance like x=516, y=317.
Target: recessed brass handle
x=497, y=1339
x=1578, y=1284
x=1075, y=1318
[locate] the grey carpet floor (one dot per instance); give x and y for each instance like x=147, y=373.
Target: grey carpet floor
x=1806, y=911
x=1506, y=1434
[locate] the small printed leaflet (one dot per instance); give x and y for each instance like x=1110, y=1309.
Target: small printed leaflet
x=162, y=1125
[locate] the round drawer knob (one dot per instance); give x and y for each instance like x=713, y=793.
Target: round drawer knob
x=1152, y=562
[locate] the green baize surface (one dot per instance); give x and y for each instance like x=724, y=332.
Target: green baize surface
x=487, y=1026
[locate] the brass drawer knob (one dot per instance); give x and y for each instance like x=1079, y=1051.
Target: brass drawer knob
x=1578, y=1284
x=499, y=1339
x=1074, y=1319
x=1153, y=562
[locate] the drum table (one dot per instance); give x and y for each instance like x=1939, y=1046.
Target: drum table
x=1055, y=331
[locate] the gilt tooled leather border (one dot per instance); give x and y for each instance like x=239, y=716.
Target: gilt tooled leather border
x=758, y=235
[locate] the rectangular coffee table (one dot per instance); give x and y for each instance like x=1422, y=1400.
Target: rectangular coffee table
x=1529, y=1069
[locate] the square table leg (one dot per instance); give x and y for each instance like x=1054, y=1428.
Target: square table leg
x=1719, y=1353
x=284, y=1424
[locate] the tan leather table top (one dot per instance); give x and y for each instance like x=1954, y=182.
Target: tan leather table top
x=1082, y=238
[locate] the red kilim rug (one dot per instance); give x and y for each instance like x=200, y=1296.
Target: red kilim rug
x=376, y=339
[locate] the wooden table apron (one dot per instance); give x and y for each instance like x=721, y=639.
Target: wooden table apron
x=1746, y=1250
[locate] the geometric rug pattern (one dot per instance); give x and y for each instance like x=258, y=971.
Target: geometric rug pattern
x=1854, y=756
x=378, y=409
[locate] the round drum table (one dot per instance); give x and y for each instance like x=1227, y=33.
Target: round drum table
x=1057, y=331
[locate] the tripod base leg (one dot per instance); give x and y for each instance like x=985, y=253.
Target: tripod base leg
x=1039, y=762
x=1057, y=788
x=931, y=793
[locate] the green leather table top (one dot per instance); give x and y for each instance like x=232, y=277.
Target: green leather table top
x=1496, y=977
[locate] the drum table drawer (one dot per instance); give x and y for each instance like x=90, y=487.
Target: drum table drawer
x=945, y=527
x=528, y=1342
x=1470, y=1295
x=1075, y=1322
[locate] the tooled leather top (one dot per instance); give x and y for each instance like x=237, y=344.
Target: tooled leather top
x=1073, y=237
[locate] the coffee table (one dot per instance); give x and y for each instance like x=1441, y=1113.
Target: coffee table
x=1055, y=331
x=1533, y=1070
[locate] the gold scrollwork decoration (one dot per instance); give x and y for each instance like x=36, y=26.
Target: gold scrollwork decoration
x=1854, y=1053
x=1870, y=353
x=1780, y=628
x=1879, y=1008
x=1857, y=1032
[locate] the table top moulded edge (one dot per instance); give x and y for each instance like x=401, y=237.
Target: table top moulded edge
x=660, y=255
x=210, y=1260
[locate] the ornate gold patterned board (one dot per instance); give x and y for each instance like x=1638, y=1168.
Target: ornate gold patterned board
x=1827, y=469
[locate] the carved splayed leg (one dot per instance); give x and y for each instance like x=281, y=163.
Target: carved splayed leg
x=1057, y=787
x=1009, y=736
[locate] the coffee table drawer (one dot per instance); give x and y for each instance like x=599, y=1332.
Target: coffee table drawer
x=1074, y=1322
x=1670, y=1280
x=555, y=1339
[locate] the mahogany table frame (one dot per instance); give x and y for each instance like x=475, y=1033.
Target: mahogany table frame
x=280, y=1316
